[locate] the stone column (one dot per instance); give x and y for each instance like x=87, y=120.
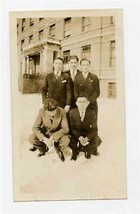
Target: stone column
x=23, y=66
x=41, y=62
x=27, y=64
x=44, y=61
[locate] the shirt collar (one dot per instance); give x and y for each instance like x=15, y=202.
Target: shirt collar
x=73, y=71
x=57, y=73
x=85, y=75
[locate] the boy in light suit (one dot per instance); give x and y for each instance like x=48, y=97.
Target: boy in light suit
x=50, y=125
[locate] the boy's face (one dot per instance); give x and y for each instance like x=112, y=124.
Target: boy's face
x=58, y=65
x=85, y=66
x=73, y=64
x=82, y=103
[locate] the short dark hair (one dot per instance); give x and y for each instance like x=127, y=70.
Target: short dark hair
x=50, y=104
x=74, y=57
x=82, y=94
x=85, y=59
x=59, y=59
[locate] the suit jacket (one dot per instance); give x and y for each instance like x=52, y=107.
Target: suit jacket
x=90, y=87
x=73, y=105
x=85, y=128
x=58, y=89
x=58, y=128
x=68, y=72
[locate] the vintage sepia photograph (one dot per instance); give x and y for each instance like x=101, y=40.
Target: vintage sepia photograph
x=68, y=105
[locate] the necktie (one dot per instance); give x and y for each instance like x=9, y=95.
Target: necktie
x=73, y=75
x=51, y=119
x=82, y=116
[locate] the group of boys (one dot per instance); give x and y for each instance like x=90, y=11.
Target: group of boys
x=69, y=113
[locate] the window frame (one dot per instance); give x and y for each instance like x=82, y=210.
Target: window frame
x=112, y=54
x=66, y=22
x=88, y=50
x=86, y=25
x=40, y=34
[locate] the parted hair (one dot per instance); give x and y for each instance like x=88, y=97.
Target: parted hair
x=50, y=104
x=59, y=59
x=82, y=94
x=74, y=57
x=85, y=59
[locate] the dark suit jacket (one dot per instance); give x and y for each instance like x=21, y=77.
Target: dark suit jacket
x=90, y=87
x=57, y=129
x=73, y=105
x=87, y=128
x=68, y=72
x=58, y=89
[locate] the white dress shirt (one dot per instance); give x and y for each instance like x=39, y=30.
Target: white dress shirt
x=73, y=74
x=82, y=115
x=85, y=75
x=57, y=74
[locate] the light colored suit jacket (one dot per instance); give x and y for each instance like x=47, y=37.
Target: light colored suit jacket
x=58, y=128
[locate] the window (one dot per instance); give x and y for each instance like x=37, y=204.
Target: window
x=40, y=34
x=86, y=52
x=66, y=55
x=40, y=19
x=31, y=39
x=67, y=27
x=23, y=25
x=112, y=54
x=112, y=20
x=52, y=31
x=111, y=90
x=55, y=54
x=31, y=21
x=86, y=23
x=22, y=44
x=17, y=28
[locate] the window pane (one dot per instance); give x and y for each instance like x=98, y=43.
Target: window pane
x=111, y=90
x=67, y=27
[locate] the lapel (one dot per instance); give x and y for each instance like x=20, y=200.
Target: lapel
x=55, y=82
x=47, y=120
x=78, y=116
x=87, y=116
x=56, y=119
x=60, y=78
x=82, y=81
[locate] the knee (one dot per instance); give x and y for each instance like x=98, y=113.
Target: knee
x=32, y=138
x=97, y=141
x=64, y=141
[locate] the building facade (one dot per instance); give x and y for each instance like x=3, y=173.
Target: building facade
x=40, y=40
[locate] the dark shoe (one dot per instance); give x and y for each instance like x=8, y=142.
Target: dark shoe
x=43, y=153
x=60, y=154
x=88, y=156
x=58, y=151
x=74, y=157
x=96, y=153
x=32, y=149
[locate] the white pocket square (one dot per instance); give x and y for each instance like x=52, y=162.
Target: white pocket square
x=64, y=81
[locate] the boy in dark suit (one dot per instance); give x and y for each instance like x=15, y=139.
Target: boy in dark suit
x=83, y=129
x=87, y=83
x=57, y=85
x=73, y=72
